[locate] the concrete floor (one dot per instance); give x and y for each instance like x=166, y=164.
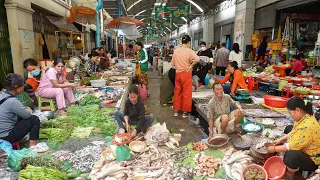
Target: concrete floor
x=188, y=130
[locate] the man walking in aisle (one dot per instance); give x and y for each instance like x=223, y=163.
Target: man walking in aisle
x=222, y=60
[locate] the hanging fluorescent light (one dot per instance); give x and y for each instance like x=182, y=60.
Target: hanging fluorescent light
x=184, y=19
x=168, y=29
x=142, y=19
x=196, y=5
x=133, y=4
x=164, y=32
x=164, y=4
x=139, y=13
x=157, y=4
x=175, y=25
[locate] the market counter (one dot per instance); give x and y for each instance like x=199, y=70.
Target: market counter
x=281, y=70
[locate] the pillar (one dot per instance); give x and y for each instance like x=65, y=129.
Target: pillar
x=20, y=26
x=244, y=23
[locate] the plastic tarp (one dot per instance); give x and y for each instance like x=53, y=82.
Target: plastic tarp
x=62, y=23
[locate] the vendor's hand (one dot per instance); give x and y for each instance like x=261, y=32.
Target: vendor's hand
x=134, y=133
x=271, y=149
x=241, y=111
x=232, y=94
x=29, y=110
x=277, y=142
x=72, y=85
x=128, y=127
x=210, y=133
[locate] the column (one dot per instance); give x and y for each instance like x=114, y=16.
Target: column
x=244, y=23
x=20, y=25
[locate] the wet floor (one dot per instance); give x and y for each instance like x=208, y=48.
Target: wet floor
x=189, y=131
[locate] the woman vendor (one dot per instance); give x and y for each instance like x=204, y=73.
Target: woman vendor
x=302, y=150
x=265, y=62
x=55, y=85
x=297, y=66
x=16, y=121
x=142, y=64
x=235, y=77
x=134, y=114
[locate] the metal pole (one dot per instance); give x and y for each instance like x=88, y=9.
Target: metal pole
x=98, y=32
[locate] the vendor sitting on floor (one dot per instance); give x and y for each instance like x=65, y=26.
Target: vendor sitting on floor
x=16, y=121
x=55, y=85
x=134, y=114
x=235, y=77
x=302, y=150
x=219, y=112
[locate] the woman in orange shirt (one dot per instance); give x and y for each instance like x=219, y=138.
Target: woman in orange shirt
x=234, y=76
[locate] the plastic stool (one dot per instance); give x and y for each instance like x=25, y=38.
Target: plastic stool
x=252, y=85
x=16, y=145
x=42, y=100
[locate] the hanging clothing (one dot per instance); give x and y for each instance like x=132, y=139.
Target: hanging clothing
x=167, y=87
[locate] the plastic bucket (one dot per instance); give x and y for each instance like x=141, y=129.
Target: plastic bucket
x=282, y=84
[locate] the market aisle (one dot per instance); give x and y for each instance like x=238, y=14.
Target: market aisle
x=189, y=131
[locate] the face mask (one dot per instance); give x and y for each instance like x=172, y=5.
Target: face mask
x=203, y=48
x=35, y=72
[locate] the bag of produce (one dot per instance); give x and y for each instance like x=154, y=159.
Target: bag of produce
x=15, y=156
x=122, y=153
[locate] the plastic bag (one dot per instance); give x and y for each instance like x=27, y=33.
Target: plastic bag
x=40, y=115
x=5, y=146
x=108, y=140
x=122, y=153
x=158, y=133
x=15, y=156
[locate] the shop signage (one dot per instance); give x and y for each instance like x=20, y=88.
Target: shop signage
x=226, y=4
x=160, y=23
x=170, y=12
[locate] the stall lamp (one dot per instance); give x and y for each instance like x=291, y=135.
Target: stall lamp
x=78, y=38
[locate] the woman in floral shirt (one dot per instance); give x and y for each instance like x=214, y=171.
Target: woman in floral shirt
x=302, y=150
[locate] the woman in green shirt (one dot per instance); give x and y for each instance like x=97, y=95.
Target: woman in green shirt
x=142, y=64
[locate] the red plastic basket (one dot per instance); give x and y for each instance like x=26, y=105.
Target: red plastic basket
x=255, y=166
x=275, y=167
x=275, y=101
x=122, y=135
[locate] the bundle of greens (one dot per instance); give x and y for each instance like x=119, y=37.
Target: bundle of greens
x=39, y=173
x=41, y=161
x=90, y=99
x=54, y=134
x=89, y=116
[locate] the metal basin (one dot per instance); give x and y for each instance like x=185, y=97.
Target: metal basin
x=48, y=114
x=218, y=140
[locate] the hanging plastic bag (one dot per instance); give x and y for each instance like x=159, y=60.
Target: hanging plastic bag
x=15, y=156
x=122, y=153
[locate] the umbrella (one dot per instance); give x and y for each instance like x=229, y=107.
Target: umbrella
x=83, y=15
x=129, y=30
x=116, y=23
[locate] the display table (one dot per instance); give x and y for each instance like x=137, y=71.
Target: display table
x=281, y=69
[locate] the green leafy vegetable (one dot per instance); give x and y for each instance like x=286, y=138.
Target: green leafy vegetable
x=90, y=99
x=40, y=173
x=41, y=161
x=54, y=134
